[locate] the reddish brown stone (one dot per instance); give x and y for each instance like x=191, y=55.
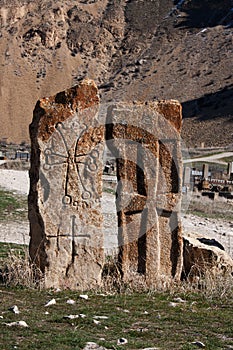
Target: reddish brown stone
x=61, y=106
x=146, y=141
x=66, y=188
x=172, y=111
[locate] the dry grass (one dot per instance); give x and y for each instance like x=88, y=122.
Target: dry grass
x=220, y=208
x=207, y=280
x=17, y=270
x=210, y=285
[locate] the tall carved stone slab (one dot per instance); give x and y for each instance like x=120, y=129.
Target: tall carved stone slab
x=145, y=139
x=65, y=188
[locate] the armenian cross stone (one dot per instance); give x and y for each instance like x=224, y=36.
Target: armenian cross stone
x=65, y=188
x=68, y=135
x=145, y=139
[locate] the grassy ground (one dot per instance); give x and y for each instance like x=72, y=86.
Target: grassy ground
x=11, y=248
x=205, y=207
x=149, y=319
x=12, y=207
x=145, y=320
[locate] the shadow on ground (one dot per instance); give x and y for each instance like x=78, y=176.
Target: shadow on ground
x=210, y=106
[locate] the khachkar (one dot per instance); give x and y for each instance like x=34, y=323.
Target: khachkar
x=66, y=187
x=68, y=133
x=145, y=139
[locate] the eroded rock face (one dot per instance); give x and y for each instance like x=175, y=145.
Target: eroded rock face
x=145, y=139
x=65, y=188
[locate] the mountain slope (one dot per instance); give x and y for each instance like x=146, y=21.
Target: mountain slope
x=134, y=50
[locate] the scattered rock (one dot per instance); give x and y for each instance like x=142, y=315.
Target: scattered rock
x=172, y=304
x=93, y=346
x=198, y=344
x=96, y=322
x=122, y=341
x=140, y=330
x=70, y=301
x=51, y=302
x=141, y=62
x=14, y=309
x=71, y=317
x=179, y=300
x=17, y=324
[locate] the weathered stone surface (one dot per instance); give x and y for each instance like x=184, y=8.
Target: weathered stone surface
x=68, y=133
x=145, y=138
x=66, y=186
x=201, y=258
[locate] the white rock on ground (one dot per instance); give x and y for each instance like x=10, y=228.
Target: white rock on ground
x=17, y=324
x=83, y=296
x=71, y=317
x=198, y=344
x=93, y=346
x=50, y=302
x=14, y=309
x=122, y=341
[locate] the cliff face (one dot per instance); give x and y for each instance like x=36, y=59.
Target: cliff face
x=134, y=50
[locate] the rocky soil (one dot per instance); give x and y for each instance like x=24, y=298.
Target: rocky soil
x=134, y=50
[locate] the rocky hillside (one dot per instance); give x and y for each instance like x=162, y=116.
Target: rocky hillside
x=133, y=49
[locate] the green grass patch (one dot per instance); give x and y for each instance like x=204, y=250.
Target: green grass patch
x=204, y=207
x=109, y=190
x=215, y=215
x=10, y=248
x=145, y=320
x=12, y=206
x=227, y=159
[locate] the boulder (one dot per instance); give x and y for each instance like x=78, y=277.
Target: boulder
x=202, y=256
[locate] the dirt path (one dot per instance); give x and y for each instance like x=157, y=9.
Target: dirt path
x=14, y=232
x=15, y=180
x=211, y=159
